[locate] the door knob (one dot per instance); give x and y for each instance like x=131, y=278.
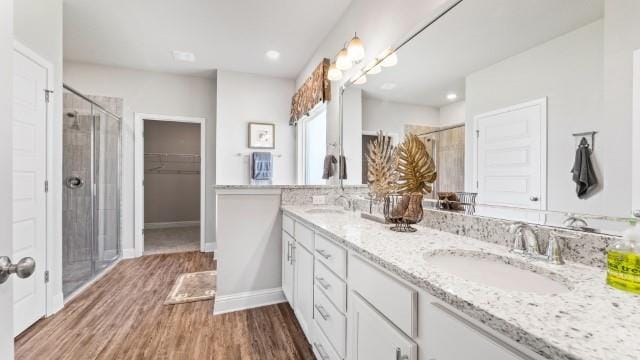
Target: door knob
x=24, y=268
x=533, y=198
x=74, y=182
x=636, y=213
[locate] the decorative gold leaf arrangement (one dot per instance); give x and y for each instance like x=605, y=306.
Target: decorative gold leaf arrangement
x=381, y=172
x=414, y=166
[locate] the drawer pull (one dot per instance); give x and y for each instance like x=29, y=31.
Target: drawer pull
x=325, y=285
x=293, y=253
x=324, y=253
x=322, y=312
x=320, y=348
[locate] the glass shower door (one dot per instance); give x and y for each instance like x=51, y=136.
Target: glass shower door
x=107, y=180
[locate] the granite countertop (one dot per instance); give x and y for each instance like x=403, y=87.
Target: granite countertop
x=592, y=321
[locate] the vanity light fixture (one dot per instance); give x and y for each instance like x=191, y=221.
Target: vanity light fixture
x=272, y=55
x=334, y=73
x=355, y=49
x=390, y=58
x=452, y=96
x=373, y=68
x=343, y=61
x=360, y=79
x=184, y=56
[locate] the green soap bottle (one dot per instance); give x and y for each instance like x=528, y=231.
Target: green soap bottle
x=623, y=261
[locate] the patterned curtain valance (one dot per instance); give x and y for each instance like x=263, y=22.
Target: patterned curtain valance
x=315, y=90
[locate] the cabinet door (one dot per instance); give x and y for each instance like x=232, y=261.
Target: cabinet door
x=287, y=267
x=450, y=336
x=303, y=288
x=373, y=337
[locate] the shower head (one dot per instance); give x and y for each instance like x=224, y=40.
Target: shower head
x=76, y=124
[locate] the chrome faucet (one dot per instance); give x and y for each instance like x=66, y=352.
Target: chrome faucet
x=525, y=239
x=348, y=203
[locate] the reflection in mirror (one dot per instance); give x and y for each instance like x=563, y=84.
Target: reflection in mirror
x=522, y=104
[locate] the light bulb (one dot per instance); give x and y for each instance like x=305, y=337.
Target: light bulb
x=343, y=61
x=452, y=96
x=334, y=73
x=356, y=49
x=390, y=58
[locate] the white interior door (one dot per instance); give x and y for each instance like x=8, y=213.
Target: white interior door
x=6, y=246
x=511, y=156
x=29, y=197
x=635, y=156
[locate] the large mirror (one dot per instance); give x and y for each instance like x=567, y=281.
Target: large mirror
x=517, y=101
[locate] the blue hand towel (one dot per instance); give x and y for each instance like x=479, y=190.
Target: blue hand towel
x=262, y=168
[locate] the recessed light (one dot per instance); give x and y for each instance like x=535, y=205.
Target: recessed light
x=183, y=56
x=452, y=96
x=388, y=86
x=273, y=55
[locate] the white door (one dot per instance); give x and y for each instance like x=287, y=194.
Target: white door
x=303, y=277
x=6, y=246
x=373, y=337
x=29, y=197
x=511, y=156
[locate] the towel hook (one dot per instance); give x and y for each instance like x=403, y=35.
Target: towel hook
x=586, y=134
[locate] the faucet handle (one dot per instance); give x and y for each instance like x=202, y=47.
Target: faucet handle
x=554, y=247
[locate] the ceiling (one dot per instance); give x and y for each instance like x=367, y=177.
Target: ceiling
x=473, y=36
x=223, y=34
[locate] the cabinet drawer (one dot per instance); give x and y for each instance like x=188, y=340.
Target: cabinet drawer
x=321, y=346
x=389, y=296
x=304, y=235
x=331, y=285
x=287, y=225
x=332, y=255
x=331, y=321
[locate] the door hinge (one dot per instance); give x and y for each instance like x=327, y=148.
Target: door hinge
x=46, y=276
x=46, y=186
x=47, y=95
x=477, y=133
x=142, y=231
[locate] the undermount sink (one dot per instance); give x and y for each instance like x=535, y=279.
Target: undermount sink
x=324, y=211
x=501, y=272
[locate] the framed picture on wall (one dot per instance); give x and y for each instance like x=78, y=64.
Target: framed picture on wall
x=262, y=136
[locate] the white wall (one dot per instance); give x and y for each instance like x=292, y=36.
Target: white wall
x=154, y=93
x=621, y=39
x=453, y=114
x=352, y=135
x=568, y=71
x=244, y=98
x=37, y=24
x=391, y=117
x=6, y=156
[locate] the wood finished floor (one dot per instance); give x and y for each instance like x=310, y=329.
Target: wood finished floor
x=122, y=316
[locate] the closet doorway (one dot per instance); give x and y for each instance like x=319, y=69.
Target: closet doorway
x=170, y=196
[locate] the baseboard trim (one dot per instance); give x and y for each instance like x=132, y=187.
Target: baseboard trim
x=247, y=300
x=172, y=224
x=210, y=247
x=128, y=253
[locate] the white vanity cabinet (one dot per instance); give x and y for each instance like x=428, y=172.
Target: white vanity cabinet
x=353, y=309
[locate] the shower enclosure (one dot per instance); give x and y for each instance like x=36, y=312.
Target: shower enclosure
x=91, y=187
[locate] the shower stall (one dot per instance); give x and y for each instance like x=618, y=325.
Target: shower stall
x=91, y=186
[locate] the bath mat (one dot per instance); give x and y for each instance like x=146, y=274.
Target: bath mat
x=189, y=287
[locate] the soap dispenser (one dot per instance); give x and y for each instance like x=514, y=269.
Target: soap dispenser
x=623, y=261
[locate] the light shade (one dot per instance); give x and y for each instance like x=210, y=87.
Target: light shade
x=452, y=96
x=334, y=73
x=355, y=49
x=390, y=58
x=343, y=61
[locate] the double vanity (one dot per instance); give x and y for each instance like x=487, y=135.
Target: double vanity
x=361, y=291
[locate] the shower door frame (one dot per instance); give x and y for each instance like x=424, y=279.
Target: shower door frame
x=139, y=119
